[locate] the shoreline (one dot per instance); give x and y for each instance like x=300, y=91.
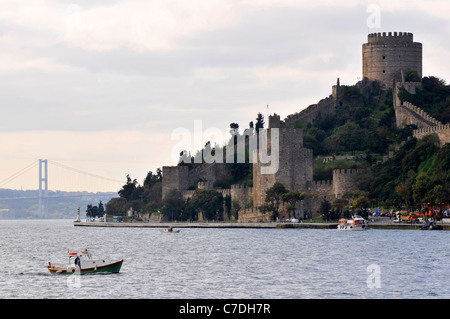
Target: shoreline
x=274, y=225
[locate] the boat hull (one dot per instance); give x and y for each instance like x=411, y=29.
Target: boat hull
x=351, y=227
x=110, y=268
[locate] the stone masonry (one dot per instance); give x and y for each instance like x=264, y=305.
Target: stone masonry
x=386, y=55
x=385, y=58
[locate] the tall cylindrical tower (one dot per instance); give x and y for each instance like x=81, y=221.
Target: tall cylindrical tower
x=385, y=56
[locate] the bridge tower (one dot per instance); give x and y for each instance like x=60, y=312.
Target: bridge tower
x=43, y=187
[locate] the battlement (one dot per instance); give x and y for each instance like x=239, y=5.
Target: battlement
x=322, y=182
x=349, y=171
x=204, y=185
x=442, y=131
x=431, y=129
x=239, y=186
x=421, y=113
x=389, y=38
x=387, y=54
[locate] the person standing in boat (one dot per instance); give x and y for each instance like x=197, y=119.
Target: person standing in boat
x=78, y=262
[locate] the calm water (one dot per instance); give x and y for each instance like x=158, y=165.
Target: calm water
x=226, y=263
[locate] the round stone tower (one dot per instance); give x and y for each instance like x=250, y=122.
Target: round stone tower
x=385, y=56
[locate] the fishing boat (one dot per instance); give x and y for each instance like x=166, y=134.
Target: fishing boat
x=83, y=263
x=169, y=230
x=354, y=223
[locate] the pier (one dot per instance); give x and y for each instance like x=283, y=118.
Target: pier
x=273, y=225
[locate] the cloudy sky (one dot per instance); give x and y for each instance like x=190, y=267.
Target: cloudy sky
x=101, y=85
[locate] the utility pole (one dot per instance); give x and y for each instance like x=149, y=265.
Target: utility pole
x=43, y=192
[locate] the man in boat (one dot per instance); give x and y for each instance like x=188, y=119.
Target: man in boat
x=78, y=262
x=170, y=229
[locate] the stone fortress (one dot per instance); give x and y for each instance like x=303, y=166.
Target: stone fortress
x=385, y=58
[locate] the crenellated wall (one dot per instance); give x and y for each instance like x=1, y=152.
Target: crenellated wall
x=442, y=131
x=345, y=180
x=183, y=178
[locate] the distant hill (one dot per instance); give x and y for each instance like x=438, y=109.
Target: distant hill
x=22, y=204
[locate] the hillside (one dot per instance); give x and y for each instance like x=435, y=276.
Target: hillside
x=362, y=133
x=22, y=204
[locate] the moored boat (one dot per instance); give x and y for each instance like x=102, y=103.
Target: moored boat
x=354, y=223
x=83, y=263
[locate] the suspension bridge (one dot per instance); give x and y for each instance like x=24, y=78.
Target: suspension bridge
x=66, y=182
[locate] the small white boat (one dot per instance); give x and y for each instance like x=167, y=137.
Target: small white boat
x=354, y=223
x=169, y=230
x=83, y=263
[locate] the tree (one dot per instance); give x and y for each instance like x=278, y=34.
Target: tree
x=259, y=122
x=95, y=211
x=292, y=198
x=274, y=198
x=235, y=208
x=362, y=203
x=172, y=206
x=403, y=191
x=91, y=211
x=128, y=189
x=116, y=206
x=325, y=207
x=101, y=209
x=209, y=202
x=420, y=188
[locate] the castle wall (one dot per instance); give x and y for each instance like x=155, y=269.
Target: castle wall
x=386, y=55
x=174, y=177
x=181, y=178
x=407, y=114
x=253, y=215
x=325, y=106
x=345, y=180
x=442, y=131
x=295, y=163
x=243, y=194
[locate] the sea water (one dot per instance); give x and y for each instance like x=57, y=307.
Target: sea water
x=225, y=263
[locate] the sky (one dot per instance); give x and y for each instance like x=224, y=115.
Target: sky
x=101, y=86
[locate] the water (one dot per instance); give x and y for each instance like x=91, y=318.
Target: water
x=226, y=263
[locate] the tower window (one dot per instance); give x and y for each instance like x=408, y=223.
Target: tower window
x=384, y=71
x=384, y=57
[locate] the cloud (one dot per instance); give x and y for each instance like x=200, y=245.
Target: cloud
x=145, y=25
x=95, y=80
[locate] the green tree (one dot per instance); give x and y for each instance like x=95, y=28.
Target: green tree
x=325, y=208
x=274, y=197
x=173, y=205
x=292, y=198
x=116, y=206
x=128, y=189
x=362, y=203
x=101, y=209
x=259, y=122
x=209, y=202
